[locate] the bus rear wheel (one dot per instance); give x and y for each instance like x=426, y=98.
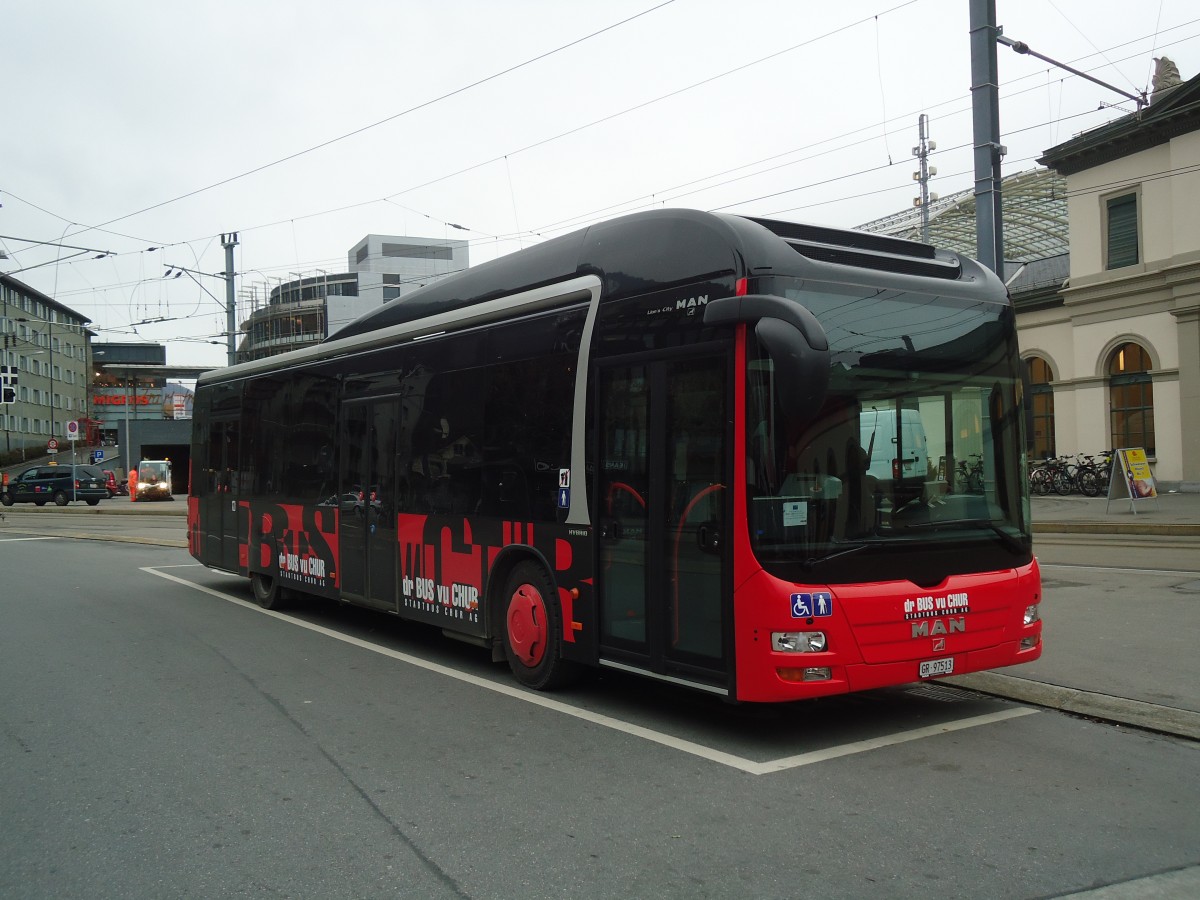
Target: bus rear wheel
x=533, y=630
x=267, y=591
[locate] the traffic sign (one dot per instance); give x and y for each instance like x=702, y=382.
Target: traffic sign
x=72, y=430
x=52, y=445
x=98, y=456
x=8, y=384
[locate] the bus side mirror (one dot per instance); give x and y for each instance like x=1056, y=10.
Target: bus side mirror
x=795, y=340
x=801, y=371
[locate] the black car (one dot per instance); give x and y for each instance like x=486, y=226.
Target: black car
x=62, y=484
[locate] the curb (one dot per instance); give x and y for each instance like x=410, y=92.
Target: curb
x=111, y=538
x=1145, y=528
x=1135, y=713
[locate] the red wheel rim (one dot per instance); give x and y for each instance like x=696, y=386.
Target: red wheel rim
x=527, y=629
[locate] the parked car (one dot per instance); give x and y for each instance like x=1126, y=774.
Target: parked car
x=115, y=487
x=62, y=484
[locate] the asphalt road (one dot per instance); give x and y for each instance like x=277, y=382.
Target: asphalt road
x=162, y=736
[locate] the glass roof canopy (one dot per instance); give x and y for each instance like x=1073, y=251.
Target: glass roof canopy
x=1033, y=208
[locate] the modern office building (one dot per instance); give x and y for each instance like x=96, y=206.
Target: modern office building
x=130, y=384
x=311, y=306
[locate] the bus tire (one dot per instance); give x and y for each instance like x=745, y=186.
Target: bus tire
x=532, y=629
x=267, y=592
x=60, y=498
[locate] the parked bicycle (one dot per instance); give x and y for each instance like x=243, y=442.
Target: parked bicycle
x=1088, y=474
x=1094, y=473
x=969, y=474
x=1041, y=479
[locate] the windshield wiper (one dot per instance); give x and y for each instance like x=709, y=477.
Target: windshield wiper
x=1011, y=542
x=813, y=561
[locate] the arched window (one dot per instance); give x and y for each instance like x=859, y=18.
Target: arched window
x=1039, y=409
x=1131, y=398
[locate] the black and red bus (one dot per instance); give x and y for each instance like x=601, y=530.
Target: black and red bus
x=725, y=452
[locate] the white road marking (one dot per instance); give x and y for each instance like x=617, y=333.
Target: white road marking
x=15, y=540
x=685, y=746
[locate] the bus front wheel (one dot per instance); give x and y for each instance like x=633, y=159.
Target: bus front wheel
x=533, y=630
x=267, y=591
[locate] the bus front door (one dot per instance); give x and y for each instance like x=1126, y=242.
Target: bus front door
x=663, y=576
x=367, y=509
x=220, y=501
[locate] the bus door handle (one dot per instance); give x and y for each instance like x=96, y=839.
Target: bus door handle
x=708, y=536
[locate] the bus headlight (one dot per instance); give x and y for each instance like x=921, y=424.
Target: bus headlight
x=798, y=641
x=1033, y=614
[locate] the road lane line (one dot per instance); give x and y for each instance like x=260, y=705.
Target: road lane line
x=685, y=746
x=16, y=540
x=805, y=759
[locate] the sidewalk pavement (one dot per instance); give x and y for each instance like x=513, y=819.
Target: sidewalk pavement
x=1175, y=514
x=1056, y=680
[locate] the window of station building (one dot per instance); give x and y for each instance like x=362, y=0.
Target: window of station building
x=418, y=251
x=1039, y=409
x=391, y=293
x=1121, y=231
x=1131, y=398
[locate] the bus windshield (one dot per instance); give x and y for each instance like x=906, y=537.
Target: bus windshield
x=917, y=446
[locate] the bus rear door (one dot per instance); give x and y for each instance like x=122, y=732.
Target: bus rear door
x=661, y=507
x=366, y=502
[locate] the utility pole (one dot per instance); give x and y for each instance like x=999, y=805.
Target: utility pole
x=229, y=241
x=921, y=152
x=985, y=128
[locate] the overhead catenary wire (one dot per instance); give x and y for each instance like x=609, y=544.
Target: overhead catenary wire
x=516, y=235
x=419, y=106
x=390, y=197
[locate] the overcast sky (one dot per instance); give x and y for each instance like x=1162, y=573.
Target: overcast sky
x=304, y=126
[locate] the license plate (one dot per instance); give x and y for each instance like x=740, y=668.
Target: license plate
x=933, y=667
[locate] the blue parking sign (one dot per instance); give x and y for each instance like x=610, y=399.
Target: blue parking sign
x=97, y=456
